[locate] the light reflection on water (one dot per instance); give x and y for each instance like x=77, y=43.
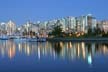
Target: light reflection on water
x=63, y=50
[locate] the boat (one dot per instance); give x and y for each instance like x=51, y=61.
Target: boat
x=37, y=39
x=4, y=37
x=12, y=37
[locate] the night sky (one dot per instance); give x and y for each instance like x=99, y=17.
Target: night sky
x=21, y=11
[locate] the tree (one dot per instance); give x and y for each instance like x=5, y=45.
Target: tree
x=89, y=33
x=57, y=31
x=97, y=32
x=24, y=32
x=104, y=34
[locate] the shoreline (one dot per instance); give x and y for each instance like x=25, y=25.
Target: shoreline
x=77, y=39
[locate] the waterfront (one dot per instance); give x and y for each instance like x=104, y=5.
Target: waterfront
x=17, y=55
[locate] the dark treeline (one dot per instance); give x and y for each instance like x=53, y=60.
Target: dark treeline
x=96, y=32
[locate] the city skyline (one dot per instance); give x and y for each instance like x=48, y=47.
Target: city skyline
x=21, y=11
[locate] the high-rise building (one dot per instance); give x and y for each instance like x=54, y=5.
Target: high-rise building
x=104, y=25
x=3, y=28
x=83, y=23
x=62, y=23
x=10, y=27
x=73, y=24
x=91, y=22
x=70, y=24
x=50, y=25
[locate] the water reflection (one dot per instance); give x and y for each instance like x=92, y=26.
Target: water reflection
x=63, y=50
x=7, y=48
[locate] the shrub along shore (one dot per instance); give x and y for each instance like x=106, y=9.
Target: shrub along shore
x=77, y=39
x=95, y=34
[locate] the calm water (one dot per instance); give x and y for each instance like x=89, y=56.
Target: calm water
x=16, y=55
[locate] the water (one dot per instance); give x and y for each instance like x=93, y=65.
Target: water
x=16, y=55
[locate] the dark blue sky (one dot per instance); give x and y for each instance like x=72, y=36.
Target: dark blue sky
x=22, y=10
